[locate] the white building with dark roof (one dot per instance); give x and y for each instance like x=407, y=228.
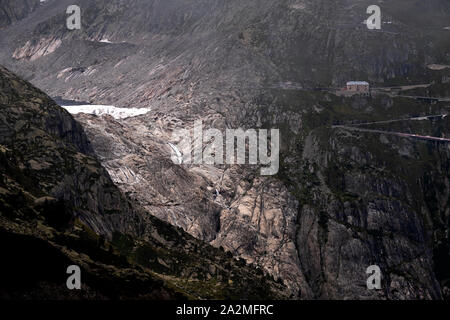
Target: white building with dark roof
x=362, y=87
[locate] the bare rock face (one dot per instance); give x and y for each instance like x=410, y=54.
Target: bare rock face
x=153, y=52
x=64, y=167
x=59, y=207
x=12, y=11
x=259, y=224
x=317, y=225
x=356, y=217
x=342, y=200
x=228, y=206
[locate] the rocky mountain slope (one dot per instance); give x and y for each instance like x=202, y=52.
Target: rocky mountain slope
x=373, y=199
x=13, y=11
x=212, y=45
x=342, y=200
x=58, y=207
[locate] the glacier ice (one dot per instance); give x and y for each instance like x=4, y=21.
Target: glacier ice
x=116, y=113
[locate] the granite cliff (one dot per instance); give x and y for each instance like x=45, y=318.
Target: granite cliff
x=343, y=199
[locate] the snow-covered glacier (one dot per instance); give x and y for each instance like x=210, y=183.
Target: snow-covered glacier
x=116, y=113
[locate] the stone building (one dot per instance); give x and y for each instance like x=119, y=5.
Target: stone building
x=362, y=87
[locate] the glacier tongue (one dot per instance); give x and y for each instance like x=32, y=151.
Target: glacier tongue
x=116, y=113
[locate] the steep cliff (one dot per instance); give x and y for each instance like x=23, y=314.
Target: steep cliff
x=58, y=207
x=373, y=199
x=331, y=211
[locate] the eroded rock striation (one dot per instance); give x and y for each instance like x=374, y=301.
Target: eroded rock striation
x=343, y=199
x=59, y=207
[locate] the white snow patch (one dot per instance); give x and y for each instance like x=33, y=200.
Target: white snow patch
x=105, y=41
x=438, y=66
x=298, y=6
x=116, y=113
